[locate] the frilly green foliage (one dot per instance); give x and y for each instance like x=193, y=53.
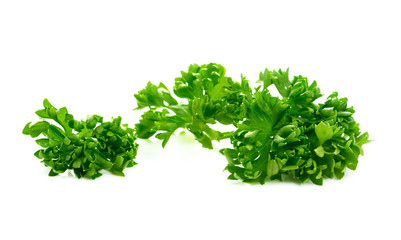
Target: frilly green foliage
x=276, y=136
x=210, y=97
x=293, y=135
x=86, y=146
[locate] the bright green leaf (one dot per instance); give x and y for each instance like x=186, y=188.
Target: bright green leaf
x=324, y=132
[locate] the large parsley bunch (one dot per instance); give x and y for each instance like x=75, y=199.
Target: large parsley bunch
x=290, y=135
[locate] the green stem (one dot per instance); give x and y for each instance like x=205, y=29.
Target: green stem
x=225, y=135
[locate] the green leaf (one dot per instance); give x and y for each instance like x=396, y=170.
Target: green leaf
x=317, y=178
x=39, y=154
x=154, y=96
x=118, y=162
x=27, y=130
x=52, y=113
x=351, y=158
x=183, y=91
x=166, y=95
x=272, y=168
x=282, y=82
x=56, y=133
x=230, y=154
x=47, y=104
x=217, y=92
x=165, y=137
x=266, y=78
x=61, y=114
x=77, y=163
x=37, y=128
x=362, y=139
x=319, y=151
x=339, y=173
x=118, y=173
x=102, y=162
x=42, y=113
x=205, y=141
x=324, y=132
x=52, y=173
x=44, y=142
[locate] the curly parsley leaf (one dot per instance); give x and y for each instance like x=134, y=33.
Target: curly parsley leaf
x=86, y=146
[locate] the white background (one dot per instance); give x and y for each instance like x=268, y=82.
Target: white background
x=92, y=56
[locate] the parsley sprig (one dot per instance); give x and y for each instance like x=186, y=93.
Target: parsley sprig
x=209, y=97
x=85, y=146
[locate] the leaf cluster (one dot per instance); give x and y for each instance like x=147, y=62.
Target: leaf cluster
x=85, y=146
x=292, y=135
x=209, y=96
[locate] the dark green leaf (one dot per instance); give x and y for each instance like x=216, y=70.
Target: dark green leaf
x=102, y=162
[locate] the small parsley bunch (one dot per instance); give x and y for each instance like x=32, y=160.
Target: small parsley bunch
x=86, y=146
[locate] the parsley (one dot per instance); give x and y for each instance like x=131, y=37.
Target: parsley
x=291, y=135
x=86, y=146
x=210, y=96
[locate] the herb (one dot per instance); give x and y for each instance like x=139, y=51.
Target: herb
x=293, y=135
x=275, y=137
x=86, y=146
x=210, y=96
